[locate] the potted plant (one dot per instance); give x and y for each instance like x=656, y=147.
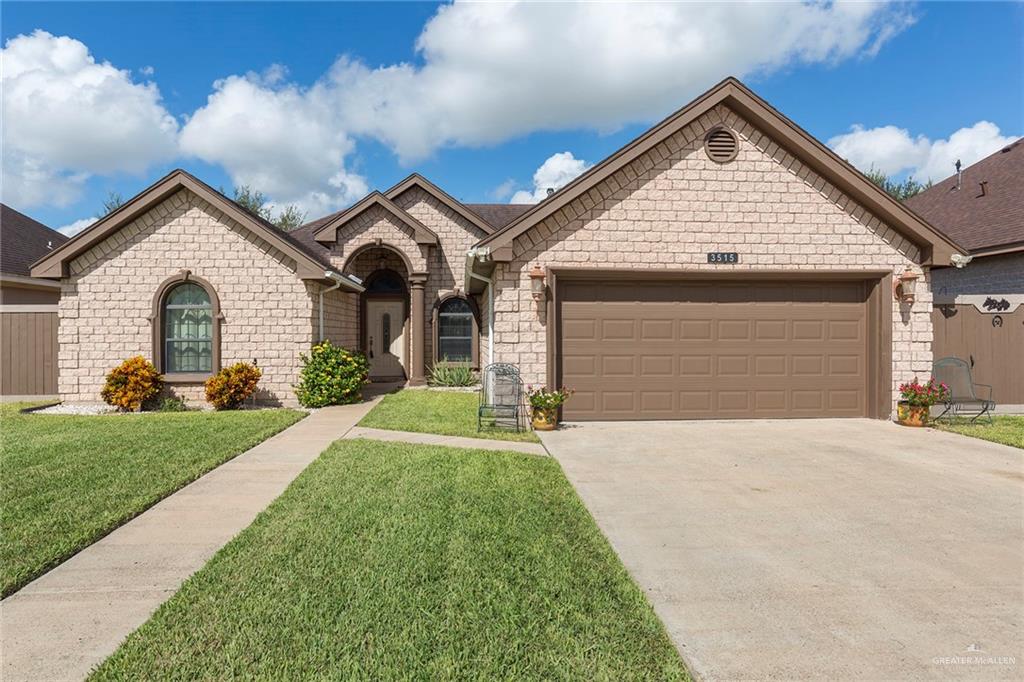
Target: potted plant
x=544, y=406
x=912, y=410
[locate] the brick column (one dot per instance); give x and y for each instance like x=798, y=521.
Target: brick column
x=417, y=281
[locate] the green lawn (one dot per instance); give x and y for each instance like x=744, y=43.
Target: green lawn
x=448, y=413
x=397, y=561
x=69, y=480
x=1006, y=429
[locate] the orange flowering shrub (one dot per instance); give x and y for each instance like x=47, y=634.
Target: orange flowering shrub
x=131, y=384
x=232, y=386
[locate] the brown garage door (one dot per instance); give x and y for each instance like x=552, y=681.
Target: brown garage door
x=692, y=350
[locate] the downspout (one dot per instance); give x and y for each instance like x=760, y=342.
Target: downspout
x=472, y=257
x=337, y=279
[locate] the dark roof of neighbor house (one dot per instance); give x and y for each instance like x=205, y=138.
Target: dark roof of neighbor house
x=986, y=212
x=23, y=241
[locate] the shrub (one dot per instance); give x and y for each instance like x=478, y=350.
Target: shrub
x=131, y=384
x=230, y=387
x=173, y=405
x=331, y=375
x=445, y=373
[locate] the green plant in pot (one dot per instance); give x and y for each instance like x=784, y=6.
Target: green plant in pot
x=916, y=399
x=544, y=406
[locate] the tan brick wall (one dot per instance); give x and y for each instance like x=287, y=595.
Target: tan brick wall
x=444, y=263
x=373, y=224
x=269, y=314
x=341, y=317
x=447, y=263
x=670, y=207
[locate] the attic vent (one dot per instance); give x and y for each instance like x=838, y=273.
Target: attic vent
x=721, y=145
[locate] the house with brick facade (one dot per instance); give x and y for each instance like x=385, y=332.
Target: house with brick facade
x=723, y=264
x=978, y=310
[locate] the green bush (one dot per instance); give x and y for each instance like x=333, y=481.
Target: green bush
x=173, y=405
x=445, y=373
x=131, y=384
x=331, y=375
x=232, y=386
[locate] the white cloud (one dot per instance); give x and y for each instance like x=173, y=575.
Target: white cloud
x=492, y=71
x=74, y=228
x=67, y=116
x=556, y=172
x=894, y=151
x=280, y=139
x=504, y=190
x=147, y=70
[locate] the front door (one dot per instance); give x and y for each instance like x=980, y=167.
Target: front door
x=385, y=340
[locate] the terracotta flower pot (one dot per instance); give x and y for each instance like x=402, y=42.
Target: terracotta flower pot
x=545, y=419
x=912, y=415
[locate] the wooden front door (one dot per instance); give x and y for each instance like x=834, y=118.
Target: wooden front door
x=385, y=338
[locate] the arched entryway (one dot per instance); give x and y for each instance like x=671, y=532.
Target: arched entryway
x=391, y=332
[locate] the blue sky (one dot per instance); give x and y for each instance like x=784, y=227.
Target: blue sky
x=113, y=95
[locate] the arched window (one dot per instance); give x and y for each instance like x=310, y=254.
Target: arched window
x=186, y=329
x=456, y=333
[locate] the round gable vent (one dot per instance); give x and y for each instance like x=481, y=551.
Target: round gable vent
x=721, y=145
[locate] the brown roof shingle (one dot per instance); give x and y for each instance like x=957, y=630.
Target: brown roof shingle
x=976, y=216
x=499, y=215
x=23, y=241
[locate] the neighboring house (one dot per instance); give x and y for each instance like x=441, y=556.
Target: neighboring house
x=724, y=264
x=28, y=308
x=978, y=313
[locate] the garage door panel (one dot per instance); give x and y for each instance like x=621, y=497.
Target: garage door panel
x=664, y=350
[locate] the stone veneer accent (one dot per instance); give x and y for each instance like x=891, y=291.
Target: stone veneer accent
x=671, y=206
x=269, y=314
x=983, y=276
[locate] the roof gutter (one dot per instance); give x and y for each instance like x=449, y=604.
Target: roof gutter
x=338, y=280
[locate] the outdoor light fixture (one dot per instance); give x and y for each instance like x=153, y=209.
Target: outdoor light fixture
x=537, y=283
x=903, y=286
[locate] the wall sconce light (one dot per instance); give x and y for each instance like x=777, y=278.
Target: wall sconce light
x=903, y=286
x=537, y=283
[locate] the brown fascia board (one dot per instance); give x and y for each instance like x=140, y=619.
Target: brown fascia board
x=328, y=234
x=936, y=247
x=417, y=180
x=55, y=264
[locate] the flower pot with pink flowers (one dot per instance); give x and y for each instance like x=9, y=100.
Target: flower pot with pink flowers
x=917, y=398
x=544, y=406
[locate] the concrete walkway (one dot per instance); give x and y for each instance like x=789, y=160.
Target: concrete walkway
x=69, y=620
x=449, y=441
x=842, y=549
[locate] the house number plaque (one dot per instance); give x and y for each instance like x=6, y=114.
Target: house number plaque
x=723, y=257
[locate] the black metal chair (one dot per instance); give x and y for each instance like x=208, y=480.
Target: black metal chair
x=501, y=396
x=963, y=391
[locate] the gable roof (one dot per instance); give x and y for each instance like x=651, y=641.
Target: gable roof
x=417, y=180
x=980, y=218
x=328, y=231
x=23, y=241
x=309, y=265
x=935, y=246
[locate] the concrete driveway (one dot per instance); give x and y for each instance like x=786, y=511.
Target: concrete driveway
x=816, y=549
